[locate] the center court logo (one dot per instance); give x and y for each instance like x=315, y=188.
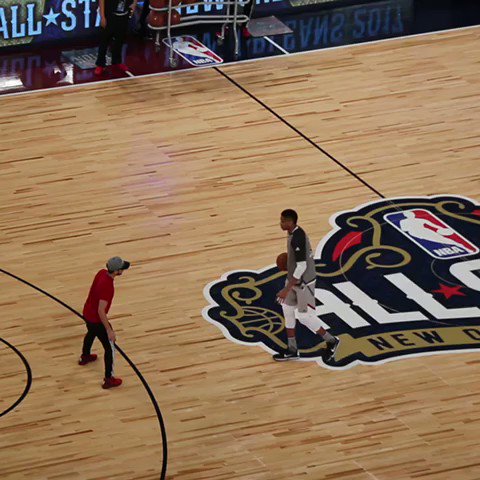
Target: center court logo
x=395, y=278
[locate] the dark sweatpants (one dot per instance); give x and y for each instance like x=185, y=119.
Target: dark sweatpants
x=143, y=17
x=97, y=330
x=115, y=32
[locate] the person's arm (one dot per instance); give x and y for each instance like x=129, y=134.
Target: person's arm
x=102, y=306
x=133, y=7
x=297, y=274
x=295, y=280
x=103, y=18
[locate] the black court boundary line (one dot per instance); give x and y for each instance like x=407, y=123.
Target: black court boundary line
x=124, y=355
x=29, y=377
x=299, y=133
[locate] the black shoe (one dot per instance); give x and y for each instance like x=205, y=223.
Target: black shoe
x=286, y=355
x=332, y=349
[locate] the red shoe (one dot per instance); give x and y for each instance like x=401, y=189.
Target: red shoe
x=122, y=67
x=99, y=70
x=111, y=382
x=84, y=359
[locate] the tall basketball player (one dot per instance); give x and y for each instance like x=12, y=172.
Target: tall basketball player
x=298, y=296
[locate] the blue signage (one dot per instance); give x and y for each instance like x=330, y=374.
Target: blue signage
x=38, y=21
x=332, y=28
x=46, y=20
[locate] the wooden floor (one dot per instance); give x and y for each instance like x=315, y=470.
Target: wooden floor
x=185, y=175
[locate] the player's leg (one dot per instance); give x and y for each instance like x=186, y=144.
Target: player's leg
x=288, y=308
x=119, y=36
x=109, y=347
x=308, y=317
x=86, y=356
x=105, y=37
x=143, y=17
x=290, y=320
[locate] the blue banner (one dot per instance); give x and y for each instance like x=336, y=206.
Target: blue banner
x=35, y=21
x=39, y=21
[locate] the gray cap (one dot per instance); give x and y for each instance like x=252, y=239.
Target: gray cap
x=116, y=263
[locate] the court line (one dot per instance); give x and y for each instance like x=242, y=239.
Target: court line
x=29, y=378
x=291, y=54
x=299, y=133
x=125, y=356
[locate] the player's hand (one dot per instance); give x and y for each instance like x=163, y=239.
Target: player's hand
x=282, y=295
x=103, y=22
x=111, y=335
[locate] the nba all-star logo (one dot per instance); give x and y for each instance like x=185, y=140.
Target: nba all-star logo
x=395, y=278
x=25, y=20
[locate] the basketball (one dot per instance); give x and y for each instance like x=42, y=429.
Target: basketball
x=158, y=4
x=282, y=262
x=156, y=19
x=163, y=3
x=175, y=19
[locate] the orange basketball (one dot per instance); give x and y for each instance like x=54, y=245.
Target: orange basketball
x=282, y=262
x=175, y=19
x=158, y=3
x=156, y=19
x=163, y=3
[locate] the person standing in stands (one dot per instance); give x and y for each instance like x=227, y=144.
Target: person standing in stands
x=114, y=17
x=95, y=312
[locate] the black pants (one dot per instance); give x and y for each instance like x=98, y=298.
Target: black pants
x=143, y=17
x=97, y=330
x=115, y=32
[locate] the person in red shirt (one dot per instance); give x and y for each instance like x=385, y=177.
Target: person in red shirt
x=95, y=312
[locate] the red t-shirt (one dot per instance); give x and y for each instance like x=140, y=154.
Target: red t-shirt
x=102, y=289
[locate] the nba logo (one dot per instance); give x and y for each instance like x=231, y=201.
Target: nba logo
x=431, y=234
x=193, y=51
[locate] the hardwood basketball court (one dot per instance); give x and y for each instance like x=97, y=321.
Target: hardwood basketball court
x=185, y=175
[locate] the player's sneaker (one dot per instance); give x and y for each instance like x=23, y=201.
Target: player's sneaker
x=99, y=70
x=111, y=382
x=332, y=349
x=286, y=355
x=84, y=359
